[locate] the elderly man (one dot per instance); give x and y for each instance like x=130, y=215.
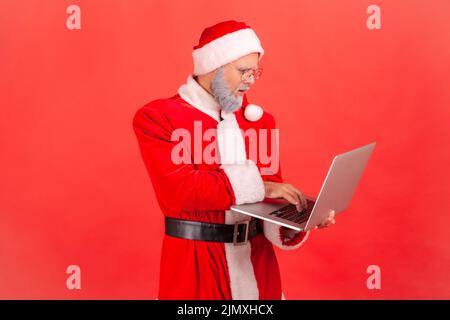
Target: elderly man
x=203, y=255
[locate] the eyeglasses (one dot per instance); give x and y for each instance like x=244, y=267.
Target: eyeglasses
x=247, y=75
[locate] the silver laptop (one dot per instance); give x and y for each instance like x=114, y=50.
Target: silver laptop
x=336, y=192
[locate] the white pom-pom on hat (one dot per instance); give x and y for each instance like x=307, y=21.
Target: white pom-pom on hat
x=253, y=112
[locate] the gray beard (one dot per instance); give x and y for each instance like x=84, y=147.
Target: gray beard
x=223, y=95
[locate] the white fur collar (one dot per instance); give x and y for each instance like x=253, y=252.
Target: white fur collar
x=193, y=93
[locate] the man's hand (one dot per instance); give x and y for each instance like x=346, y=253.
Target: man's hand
x=285, y=191
x=294, y=196
x=328, y=221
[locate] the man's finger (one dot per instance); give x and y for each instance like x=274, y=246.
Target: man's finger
x=328, y=222
x=332, y=214
x=292, y=195
x=300, y=196
x=291, y=198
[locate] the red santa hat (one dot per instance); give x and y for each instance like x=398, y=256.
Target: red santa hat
x=223, y=43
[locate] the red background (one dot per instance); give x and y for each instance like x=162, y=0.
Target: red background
x=74, y=189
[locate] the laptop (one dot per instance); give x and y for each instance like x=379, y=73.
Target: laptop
x=336, y=192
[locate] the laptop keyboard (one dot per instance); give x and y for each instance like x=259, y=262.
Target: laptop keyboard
x=289, y=212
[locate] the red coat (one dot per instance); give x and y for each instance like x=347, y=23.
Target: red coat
x=193, y=269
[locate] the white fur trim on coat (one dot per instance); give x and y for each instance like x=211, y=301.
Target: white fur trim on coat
x=230, y=141
x=243, y=174
x=273, y=233
x=243, y=283
x=248, y=187
x=226, y=49
x=246, y=182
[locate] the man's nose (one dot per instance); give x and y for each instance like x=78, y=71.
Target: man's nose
x=250, y=81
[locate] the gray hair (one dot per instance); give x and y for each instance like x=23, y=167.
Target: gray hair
x=223, y=94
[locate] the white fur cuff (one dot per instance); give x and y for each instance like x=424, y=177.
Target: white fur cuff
x=246, y=182
x=287, y=239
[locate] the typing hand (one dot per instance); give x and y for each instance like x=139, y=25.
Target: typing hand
x=287, y=192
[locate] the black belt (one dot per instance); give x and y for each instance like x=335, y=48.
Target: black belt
x=238, y=233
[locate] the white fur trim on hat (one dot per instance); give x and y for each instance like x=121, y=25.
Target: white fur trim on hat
x=226, y=49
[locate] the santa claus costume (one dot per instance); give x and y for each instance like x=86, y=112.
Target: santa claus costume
x=203, y=192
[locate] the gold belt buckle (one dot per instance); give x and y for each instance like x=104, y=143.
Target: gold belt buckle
x=236, y=233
